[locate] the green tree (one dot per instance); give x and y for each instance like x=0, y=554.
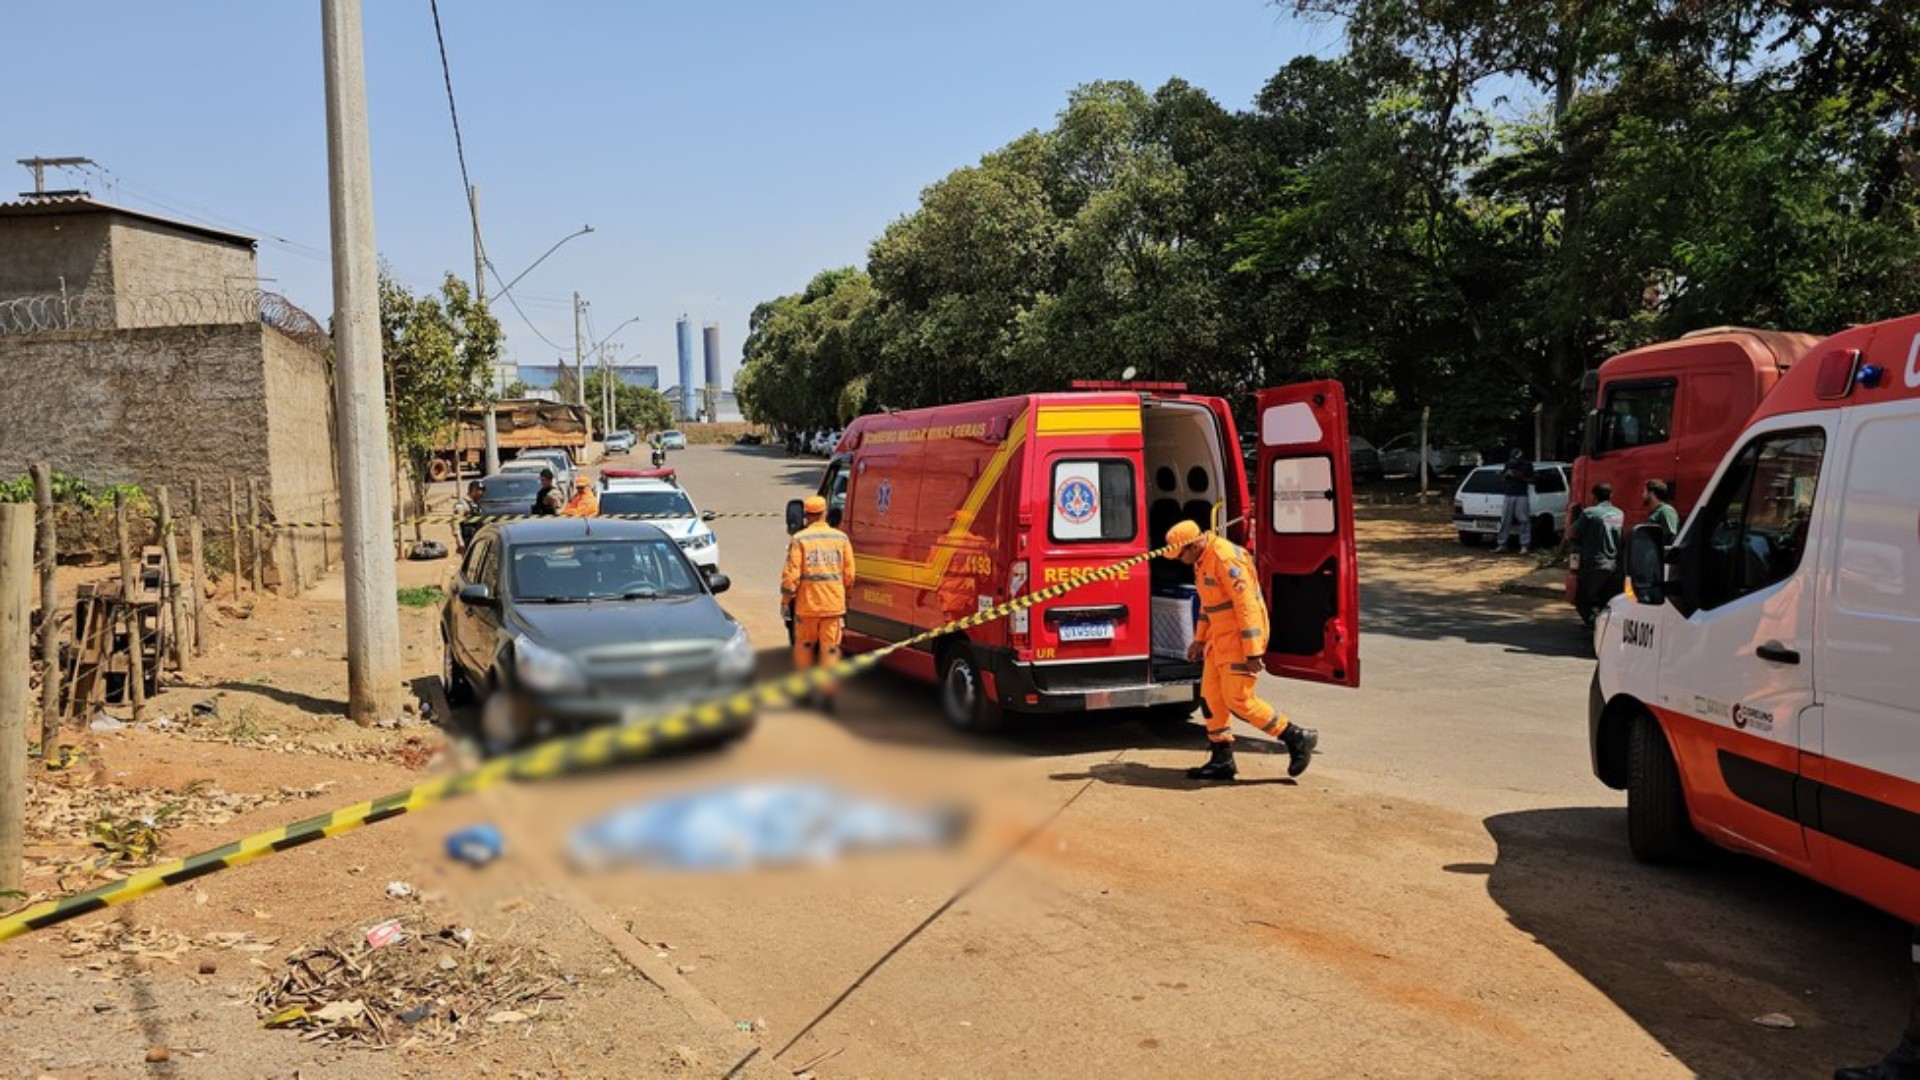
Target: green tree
x=440, y=352
x=640, y=409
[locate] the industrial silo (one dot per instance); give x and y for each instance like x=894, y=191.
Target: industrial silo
x=710, y=339
x=683, y=331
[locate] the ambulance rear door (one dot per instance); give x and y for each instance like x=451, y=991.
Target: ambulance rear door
x=1303, y=533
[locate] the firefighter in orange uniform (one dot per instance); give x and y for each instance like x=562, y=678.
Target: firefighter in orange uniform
x=813, y=589
x=1231, y=635
x=584, y=502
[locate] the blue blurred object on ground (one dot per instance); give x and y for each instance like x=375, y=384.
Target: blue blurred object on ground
x=747, y=825
x=478, y=845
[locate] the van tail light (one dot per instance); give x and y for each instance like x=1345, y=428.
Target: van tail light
x=1017, y=622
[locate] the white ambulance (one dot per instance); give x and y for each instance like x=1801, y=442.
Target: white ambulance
x=1759, y=684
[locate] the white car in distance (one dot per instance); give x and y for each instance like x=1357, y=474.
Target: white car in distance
x=1478, y=503
x=667, y=505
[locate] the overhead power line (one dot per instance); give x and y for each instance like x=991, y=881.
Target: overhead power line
x=453, y=111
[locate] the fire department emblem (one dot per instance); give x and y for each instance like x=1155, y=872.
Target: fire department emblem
x=1076, y=501
x=883, y=496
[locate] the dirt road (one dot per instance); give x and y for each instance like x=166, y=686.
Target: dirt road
x=1446, y=892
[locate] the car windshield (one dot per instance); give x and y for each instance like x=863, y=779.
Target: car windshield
x=1482, y=482
x=601, y=570
x=666, y=504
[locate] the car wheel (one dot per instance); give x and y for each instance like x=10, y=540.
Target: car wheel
x=499, y=733
x=1470, y=539
x=1658, y=828
x=962, y=699
x=454, y=681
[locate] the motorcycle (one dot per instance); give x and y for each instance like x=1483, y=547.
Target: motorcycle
x=659, y=457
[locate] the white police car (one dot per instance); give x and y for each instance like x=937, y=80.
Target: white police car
x=665, y=504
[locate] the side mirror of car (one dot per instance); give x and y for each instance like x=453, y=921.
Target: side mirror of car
x=477, y=595
x=708, y=515
x=1647, y=564
x=719, y=583
x=796, y=515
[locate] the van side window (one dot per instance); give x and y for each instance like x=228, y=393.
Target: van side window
x=1092, y=499
x=1755, y=525
x=1549, y=481
x=1637, y=414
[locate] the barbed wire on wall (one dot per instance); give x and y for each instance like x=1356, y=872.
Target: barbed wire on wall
x=183, y=307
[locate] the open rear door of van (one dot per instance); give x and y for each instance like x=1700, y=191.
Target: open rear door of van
x=1303, y=536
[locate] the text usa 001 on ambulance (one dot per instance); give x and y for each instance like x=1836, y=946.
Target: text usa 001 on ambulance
x=956, y=508
x=1760, y=684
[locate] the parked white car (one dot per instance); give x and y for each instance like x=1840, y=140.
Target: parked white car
x=667, y=505
x=1481, y=498
x=562, y=474
x=824, y=442
x=673, y=439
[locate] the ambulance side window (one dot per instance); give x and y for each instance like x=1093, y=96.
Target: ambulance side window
x=1093, y=499
x=1754, y=528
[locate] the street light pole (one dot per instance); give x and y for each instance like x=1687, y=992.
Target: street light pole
x=365, y=457
x=489, y=428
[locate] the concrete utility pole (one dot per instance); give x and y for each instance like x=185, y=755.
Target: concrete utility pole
x=480, y=295
x=16, y=607
x=579, y=356
x=366, y=459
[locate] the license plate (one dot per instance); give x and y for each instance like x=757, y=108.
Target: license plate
x=1476, y=525
x=1087, y=631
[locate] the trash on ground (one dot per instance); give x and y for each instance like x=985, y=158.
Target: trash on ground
x=342, y=988
x=1776, y=1020
x=477, y=845
x=386, y=933
x=399, y=890
x=103, y=722
x=746, y=825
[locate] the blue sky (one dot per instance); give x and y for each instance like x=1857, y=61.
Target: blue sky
x=723, y=152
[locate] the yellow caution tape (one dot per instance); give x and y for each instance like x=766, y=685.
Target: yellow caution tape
x=723, y=716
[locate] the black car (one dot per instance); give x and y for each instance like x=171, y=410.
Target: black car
x=502, y=495
x=569, y=623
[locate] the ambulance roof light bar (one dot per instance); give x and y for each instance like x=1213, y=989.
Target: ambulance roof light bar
x=1114, y=384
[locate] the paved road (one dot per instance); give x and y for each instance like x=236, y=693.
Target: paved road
x=1448, y=891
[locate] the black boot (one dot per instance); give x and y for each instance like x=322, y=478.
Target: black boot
x=1299, y=742
x=1219, y=764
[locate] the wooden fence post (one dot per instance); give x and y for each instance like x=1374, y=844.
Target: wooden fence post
x=253, y=521
x=176, y=605
x=136, y=693
x=197, y=547
x=233, y=524
x=16, y=636
x=49, y=614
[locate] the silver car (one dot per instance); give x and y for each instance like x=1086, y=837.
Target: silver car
x=1401, y=456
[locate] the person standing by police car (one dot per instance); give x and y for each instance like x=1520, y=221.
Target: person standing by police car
x=813, y=591
x=1230, y=638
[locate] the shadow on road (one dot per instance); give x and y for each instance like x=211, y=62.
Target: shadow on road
x=1518, y=625
x=1139, y=774
x=306, y=703
x=889, y=707
x=1693, y=955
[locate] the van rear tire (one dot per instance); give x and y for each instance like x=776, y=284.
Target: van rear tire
x=1658, y=828
x=962, y=699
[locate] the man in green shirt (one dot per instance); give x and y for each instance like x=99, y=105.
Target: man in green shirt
x=1659, y=511
x=1596, y=542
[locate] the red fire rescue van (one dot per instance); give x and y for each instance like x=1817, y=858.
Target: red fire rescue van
x=1759, y=684
x=956, y=508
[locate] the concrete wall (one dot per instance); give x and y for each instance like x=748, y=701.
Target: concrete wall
x=151, y=260
x=177, y=404
x=301, y=468
x=36, y=252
